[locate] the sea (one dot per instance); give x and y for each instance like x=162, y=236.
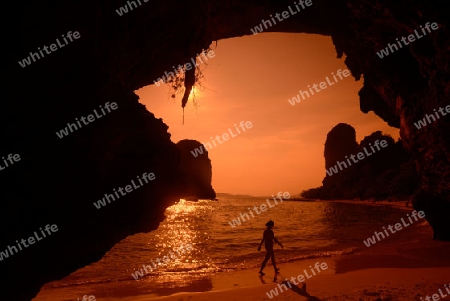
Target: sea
x=307, y=229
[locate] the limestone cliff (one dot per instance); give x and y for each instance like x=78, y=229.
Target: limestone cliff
x=341, y=141
x=378, y=167
x=196, y=169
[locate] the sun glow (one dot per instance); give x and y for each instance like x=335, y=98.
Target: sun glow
x=194, y=93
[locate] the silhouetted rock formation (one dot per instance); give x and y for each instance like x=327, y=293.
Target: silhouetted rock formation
x=57, y=180
x=341, y=141
x=197, y=171
x=385, y=173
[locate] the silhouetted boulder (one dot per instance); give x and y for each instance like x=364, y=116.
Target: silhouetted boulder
x=341, y=141
x=197, y=170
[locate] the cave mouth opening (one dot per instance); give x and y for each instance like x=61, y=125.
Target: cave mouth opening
x=252, y=79
x=256, y=81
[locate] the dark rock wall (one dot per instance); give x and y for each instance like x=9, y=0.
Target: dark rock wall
x=403, y=86
x=57, y=180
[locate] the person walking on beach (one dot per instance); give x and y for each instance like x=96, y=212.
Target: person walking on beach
x=268, y=239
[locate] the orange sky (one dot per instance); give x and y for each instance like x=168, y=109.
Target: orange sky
x=250, y=79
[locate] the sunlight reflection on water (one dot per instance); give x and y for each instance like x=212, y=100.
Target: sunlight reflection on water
x=306, y=229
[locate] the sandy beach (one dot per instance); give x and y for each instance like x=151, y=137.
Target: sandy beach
x=407, y=265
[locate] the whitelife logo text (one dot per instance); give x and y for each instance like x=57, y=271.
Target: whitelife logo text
x=53, y=47
x=128, y=188
x=199, y=150
x=281, y=17
x=90, y=118
x=360, y=155
x=371, y=240
x=411, y=38
x=31, y=240
x=282, y=287
x=262, y=207
x=322, y=85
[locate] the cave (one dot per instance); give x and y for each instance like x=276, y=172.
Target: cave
x=116, y=54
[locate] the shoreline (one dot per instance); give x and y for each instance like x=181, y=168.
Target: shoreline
x=403, y=204
x=404, y=266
